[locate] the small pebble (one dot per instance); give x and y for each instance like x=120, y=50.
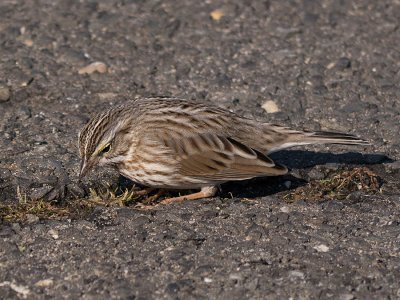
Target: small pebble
x=330, y=65
x=321, y=248
x=270, y=107
x=44, y=282
x=54, y=234
x=28, y=42
x=4, y=93
x=208, y=280
x=296, y=274
x=32, y=219
x=235, y=276
x=285, y=209
x=217, y=14
x=347, y=297
x=94, y=67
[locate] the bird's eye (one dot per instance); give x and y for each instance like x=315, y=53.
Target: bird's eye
x=106, y=149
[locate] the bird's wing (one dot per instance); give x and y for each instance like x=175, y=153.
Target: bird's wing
x=220, y=158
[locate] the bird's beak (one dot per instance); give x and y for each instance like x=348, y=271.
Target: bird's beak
x=85, y=167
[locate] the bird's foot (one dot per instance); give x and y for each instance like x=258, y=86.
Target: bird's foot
x=205, y=192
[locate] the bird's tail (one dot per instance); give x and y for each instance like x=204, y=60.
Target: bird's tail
x=326, y=137
x=295, y=138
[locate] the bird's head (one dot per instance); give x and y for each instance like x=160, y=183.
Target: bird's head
x=102, y=141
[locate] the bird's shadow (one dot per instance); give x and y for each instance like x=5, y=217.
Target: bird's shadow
x=302, y=159
x=296, y=160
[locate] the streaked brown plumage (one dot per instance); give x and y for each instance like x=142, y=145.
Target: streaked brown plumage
x=176, y=144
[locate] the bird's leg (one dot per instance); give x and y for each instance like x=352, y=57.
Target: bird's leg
x=205, y=192
x=151, y=199
x=144, y=192
x=145, y=205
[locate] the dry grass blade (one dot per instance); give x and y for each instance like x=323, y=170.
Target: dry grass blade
x=338, y=185
x=73, y=209
x=40, y=208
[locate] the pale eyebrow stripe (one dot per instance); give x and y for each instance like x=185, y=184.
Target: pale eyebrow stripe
x=101, y=119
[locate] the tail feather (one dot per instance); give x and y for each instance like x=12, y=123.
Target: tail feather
x=318, y=137
x=326, y=137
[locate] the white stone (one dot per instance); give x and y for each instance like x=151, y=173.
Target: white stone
x=284, y=209
x=321, y=248
x=270, y=107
